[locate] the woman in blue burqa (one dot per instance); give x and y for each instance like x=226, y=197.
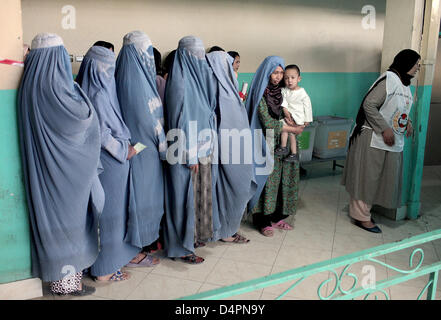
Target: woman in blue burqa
x=235, y=184
x=142, y=112
x=190, y=101
x=97, y=79
x=60, y=145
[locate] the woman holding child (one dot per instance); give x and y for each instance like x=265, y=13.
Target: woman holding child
x=277, y=192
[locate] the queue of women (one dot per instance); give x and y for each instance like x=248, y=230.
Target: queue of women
x=96, y=155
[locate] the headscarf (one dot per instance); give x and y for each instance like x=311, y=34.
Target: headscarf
x=60, y=145
x=402, y=64
x=235, y=184
x=273, y=97
x=142, y=112
x=257, y=88
x=97, y=78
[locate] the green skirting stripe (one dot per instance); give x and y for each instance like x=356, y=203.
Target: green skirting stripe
x=15, y=254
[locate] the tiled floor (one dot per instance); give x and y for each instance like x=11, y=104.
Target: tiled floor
x=322, y=231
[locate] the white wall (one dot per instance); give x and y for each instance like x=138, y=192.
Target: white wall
x=319, y=35
x=11, y=39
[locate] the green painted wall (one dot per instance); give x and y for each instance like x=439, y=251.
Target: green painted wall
x=332, y=93
x=340, y=94
x=413, y=162
x=15, y=254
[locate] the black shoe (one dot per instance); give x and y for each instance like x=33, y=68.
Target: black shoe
x=85, y=291
x=292, y=158
x=281, y=151
x=375, y=229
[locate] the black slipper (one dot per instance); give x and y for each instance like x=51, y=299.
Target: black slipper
x=375, y=229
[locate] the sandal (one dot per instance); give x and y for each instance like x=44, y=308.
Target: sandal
x=282, y=225
x=191, y=259
x=237, y=239
x=117, y=276
x=199, y=244
x=147, y=261
x=267, y=231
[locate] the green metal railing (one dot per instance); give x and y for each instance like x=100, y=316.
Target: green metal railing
x=298, y=275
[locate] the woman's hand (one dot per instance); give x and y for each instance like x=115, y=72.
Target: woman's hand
x=131, y=152
x=409, y=129
x=288, y=118
x=286, y=113
x=290, y=122
x=388, y=137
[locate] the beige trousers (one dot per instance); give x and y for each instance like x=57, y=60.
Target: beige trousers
x=360, y=210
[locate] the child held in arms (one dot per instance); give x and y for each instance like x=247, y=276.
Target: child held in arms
x=297, y=110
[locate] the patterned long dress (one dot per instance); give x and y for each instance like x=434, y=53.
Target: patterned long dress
x=280, y=194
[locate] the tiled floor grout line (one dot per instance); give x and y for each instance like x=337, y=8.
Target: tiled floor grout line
x=214, y=268
x=274, y=263
x=139, y=283
x=306, y=185
x=301, y=191
x=335, y=232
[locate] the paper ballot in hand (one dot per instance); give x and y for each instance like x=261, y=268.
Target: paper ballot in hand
x=139, y=147
x=243, y=93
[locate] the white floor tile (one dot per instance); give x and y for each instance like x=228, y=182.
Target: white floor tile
x=229, y=272
x=160, y=287
x=182, y=270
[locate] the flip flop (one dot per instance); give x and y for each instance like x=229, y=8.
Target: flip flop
x=237, y=239
x=267, y=231
x=282, y=225
x=117, y=276
x=147, y=261
x=191, y=259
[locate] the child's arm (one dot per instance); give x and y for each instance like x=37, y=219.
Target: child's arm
x=307, y=108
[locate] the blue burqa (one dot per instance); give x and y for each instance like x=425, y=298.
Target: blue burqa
x=235, y=183
x=60, y=145
x=97, y=79
x=262, y=158
x=142, y=112
x=190, y=102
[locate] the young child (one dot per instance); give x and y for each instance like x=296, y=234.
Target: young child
x=296, y=107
